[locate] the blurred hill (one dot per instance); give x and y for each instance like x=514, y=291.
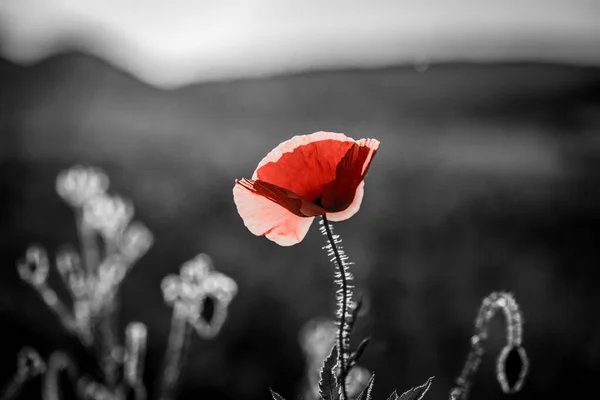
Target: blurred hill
x=175, y=44
x=487, y=179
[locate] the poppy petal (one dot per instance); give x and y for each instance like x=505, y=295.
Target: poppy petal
x=305, y=163
x=373, y=145
x=285, y=198
x=352, y=208
x=264, y=217
x=350, y=171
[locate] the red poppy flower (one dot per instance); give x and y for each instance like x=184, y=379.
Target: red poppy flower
x=306, y=176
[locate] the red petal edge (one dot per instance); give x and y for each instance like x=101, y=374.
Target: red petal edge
x=265, y=217
x=305, y=164
x=339, y=194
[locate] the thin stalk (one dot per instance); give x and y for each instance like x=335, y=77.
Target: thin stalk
x=89, y=245
x=108, y=327
x=179, y=337
x=62, y=311
x=135, y=354
x=108, y=346
x=57, y=363
x=14, y=387
x=343, y=281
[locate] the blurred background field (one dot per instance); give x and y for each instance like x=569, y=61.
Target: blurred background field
x=486, y=179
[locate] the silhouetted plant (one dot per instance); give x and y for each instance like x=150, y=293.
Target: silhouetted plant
x=110, y=244
x=197, y=287
x=29, y=365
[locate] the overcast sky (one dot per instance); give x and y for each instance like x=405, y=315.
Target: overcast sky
x=174, y=42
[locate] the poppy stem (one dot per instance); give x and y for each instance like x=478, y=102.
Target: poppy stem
x=496, y=301
x=344, y=297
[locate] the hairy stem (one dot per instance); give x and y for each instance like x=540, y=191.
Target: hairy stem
x=514, y=332
x=343, y=282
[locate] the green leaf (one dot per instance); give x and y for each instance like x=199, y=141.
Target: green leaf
x=276, y=396
x=328, y=384
x=416, y=393
x=365, y=394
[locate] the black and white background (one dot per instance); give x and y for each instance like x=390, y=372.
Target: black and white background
x=487, y=177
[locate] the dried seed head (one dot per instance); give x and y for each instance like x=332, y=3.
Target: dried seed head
x=201, y=294
x=135, y=241
x=34, y=267
x=79, y=184
x=195, y=270
x=69, y=266
x=171, y=288
x=219, y=286
x=109, y=215
x=29, y=363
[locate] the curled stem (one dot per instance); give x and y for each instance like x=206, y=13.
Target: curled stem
x=344, y=297
x=29, y=365
x=514, y=332
x=179, y=337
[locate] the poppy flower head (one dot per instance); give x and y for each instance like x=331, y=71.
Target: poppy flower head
x=306, y=176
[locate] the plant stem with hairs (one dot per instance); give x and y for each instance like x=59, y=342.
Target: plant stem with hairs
x=344, y=297
x=514, y=332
